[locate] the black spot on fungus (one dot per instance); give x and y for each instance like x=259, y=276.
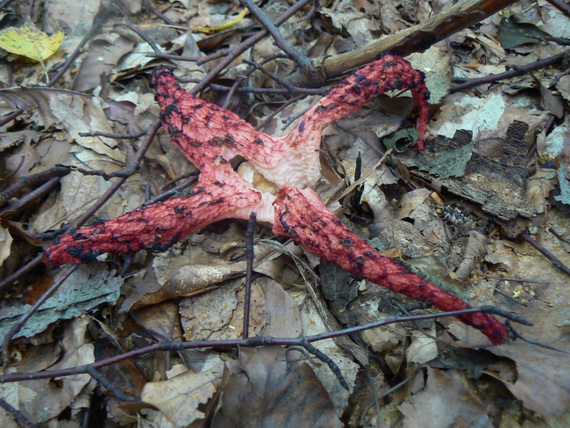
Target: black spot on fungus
x=169, y=109
x=85, y=257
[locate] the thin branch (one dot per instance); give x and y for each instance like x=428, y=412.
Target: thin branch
x=158, y=13
x=130, y=170
x=245, y=45
x=40, y=191
x=515, y=70
x=6, y=282
x=329, y=362
x=142, y=35
x=113, y=135
x=250, y=342
x=31, y=180
x=108, y=385
x=302, y=60
x=555, y=261
x=249, y=251
x=18, y=416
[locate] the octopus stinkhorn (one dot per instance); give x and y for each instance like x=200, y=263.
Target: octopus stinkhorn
x=211, y=137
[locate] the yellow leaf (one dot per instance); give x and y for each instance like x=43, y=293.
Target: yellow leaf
x=222, y=27
x=29, y=42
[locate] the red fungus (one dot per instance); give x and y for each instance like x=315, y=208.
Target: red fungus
x=210, y=137
x=302, y=216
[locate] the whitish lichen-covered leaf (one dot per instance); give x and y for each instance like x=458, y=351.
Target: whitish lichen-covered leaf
x=83, y=290
x=29, y=42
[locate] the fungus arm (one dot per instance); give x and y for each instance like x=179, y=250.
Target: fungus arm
x=302, y=216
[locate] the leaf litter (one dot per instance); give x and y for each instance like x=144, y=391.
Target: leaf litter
x=405, y=223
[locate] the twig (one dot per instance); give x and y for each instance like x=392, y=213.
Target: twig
x=172, y=192
x=31, y=180
x=133, y=166
x=19, y=416
x=245, y=45
x=250, y=342
x=517, y=70
x=108, y=385
x=142, y=35
x=329, y=362
x=555, y=261
x=249, y=251
x=551, y=230
x=100, y=18
x=6, y=282
x=414, y=39
x=40, y=191
x=276, y=111
x=113, y=135
x=285, y=46
x=158, y=13
x=536, y=343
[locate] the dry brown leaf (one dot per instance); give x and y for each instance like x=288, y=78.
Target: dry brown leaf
x=41, y=400
x=273, y=312
x=542, y=380
x=447, y=400
x=267, y=390
x=179, y=398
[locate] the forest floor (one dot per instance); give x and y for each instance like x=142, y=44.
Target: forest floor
x=150, y=339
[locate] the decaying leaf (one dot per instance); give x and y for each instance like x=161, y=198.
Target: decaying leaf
x=268, y=390
x=432, y=403
x=72, y=300
x=179, y=398
x=43, y=399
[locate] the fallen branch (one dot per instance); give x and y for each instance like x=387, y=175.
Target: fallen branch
x=247, y=343
x=414, y=39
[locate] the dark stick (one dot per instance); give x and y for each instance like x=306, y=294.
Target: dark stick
x=142, y=35
x=133, y=166
x=106, y=383
x=19, y=416
x=43, y=189
x=245, y=45
x=115, y=136
x=285, y=46
x=158, y=13
x=20, y=272
x=557, y=263
x=514, y=71
x=249, y=247
x=251, y=342
x=30, y=180
x=10, y=117
x=329, y=362
x=98, y=21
